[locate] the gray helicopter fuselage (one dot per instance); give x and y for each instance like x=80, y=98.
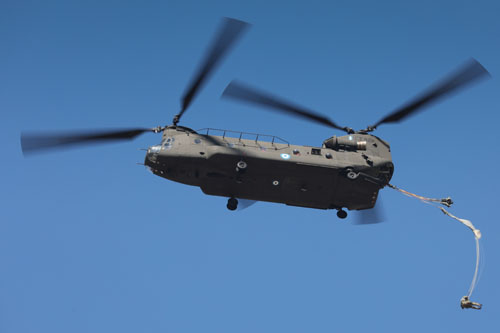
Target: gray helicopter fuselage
x=346, y=172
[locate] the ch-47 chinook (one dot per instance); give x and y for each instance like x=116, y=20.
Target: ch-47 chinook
x=345, y=172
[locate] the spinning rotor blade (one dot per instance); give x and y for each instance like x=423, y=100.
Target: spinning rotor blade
x=244, y=93
x=31, y=143
x=226, y=37
x=469, y=73
x=370, y=216
x=244, y=204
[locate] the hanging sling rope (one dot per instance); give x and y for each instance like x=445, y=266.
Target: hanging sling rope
x=445, y=201
x=465, y=302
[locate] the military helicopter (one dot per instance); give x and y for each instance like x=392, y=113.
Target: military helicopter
x=345, y=172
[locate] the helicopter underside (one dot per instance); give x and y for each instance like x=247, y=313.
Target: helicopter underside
x=294, y=185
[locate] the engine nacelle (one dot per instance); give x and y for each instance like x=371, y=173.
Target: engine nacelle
x=344, y=143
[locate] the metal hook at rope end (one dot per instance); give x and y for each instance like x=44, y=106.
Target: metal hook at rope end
x=447, y=202
x=465, y=303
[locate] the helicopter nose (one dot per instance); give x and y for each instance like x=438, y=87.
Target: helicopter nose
x=152, y=155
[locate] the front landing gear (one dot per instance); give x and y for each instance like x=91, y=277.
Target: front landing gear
x=232, y=203
x=341, y=214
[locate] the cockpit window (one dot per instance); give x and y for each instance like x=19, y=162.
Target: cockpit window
x=167, y=142
x=154, y=149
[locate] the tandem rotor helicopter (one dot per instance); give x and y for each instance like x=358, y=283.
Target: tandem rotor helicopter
x=345, y=172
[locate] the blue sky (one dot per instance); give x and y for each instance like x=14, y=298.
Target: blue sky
x=92, y=242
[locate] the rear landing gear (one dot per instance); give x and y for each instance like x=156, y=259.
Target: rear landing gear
x=341, y=214
x=232, y=203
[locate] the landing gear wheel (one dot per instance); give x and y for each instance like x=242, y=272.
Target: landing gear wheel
x=341, y=214
x=232, y=203
x=241, y=166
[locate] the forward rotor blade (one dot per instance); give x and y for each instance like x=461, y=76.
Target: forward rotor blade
x=244, y=93
x=31, y=143
x=469, y=73
x=230, y=31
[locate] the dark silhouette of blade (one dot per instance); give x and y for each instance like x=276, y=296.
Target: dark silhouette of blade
x=230, y=31
x=370, y=216
x=470, y=72
x=244, y=93
x=244, y=203
x=220, y=143
x=31, y=142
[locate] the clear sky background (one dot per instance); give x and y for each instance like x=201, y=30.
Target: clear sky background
x=92, y=242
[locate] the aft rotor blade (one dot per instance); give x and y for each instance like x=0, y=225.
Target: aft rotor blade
x=244, y=93
x=371, y=216
x=470, y=72
x=31, y=142
x=228, y=34
x=244, y=204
